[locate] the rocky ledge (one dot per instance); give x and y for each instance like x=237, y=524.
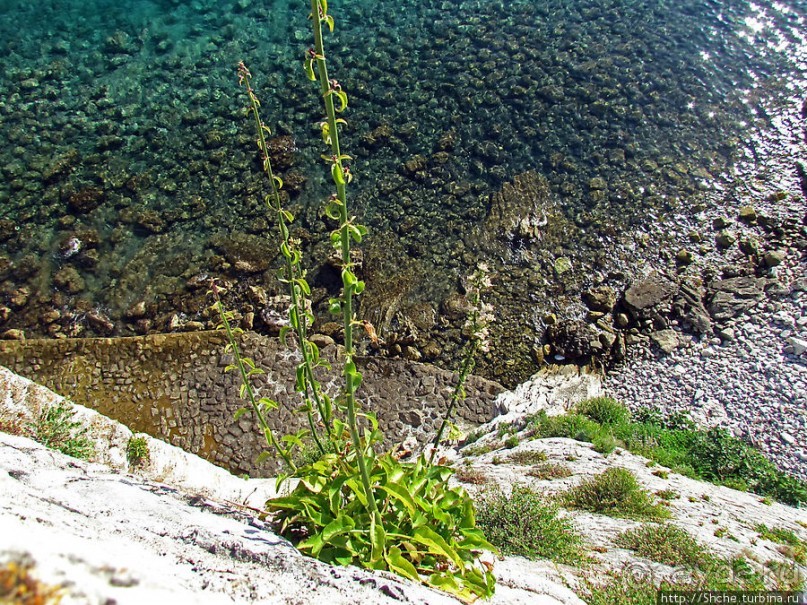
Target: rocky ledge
x=179, y=529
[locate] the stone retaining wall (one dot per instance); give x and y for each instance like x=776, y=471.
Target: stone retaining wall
x=173, y=386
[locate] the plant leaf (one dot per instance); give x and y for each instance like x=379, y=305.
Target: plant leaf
x=398, y=564
x=399, y=492
x=378, y=539
x=313, y=544
x=342, y=524
x=308, y=64
x=337, y=174
x=342, y=96
x=474, y=538
x=358, y=490
x=335, y=494
x=352, y=376
x=436, y=544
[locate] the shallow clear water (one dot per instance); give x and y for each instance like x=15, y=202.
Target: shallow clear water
x=124, y=135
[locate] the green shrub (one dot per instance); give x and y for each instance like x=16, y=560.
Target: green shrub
x=56, y=429
x=674, y=421
x=616, y=493
x=714, y=455
x=523, y=524
x=648, y=415
x=604, y=444
x=479, y=449
x=620, y=589
x=570, y=426
x=673, y=441
x=506, y=428
x=666, y=544
x=137, y=451
x=668, y=447
x=473, y=437
x=603, y=410
x=779, y=535
x=668, y=494
x=719, y=456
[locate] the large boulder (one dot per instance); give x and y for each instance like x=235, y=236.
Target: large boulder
x=648, y=294
x=732, y=297
x=690, y=308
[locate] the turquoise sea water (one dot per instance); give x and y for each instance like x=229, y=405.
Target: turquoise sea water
x=127, y=160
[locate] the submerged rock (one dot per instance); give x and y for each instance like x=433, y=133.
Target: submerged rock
x=85, y=200
x=246, y=253
x=573, y=339
x=69, y=280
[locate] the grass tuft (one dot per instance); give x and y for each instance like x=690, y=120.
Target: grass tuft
x=527, y=457
x=10, y=424
x=615, y=493
x=550, y=470
x=668, y=494
x=471, y=475
x=56, y=429
x=511, y=442
x=137, y=451
x=792, y=546
x=523, y=524
x=604, y=410
x=639, y=586
x=666, y=544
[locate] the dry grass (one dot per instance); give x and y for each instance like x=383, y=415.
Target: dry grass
x=471, y=475
x=549, y=471
x=19, y=587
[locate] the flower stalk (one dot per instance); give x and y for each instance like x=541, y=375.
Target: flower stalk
x=246, y=368
x=476, y=331
x=299, y=316
x=317, y=68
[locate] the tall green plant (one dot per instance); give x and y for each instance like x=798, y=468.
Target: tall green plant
x=353, y=505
